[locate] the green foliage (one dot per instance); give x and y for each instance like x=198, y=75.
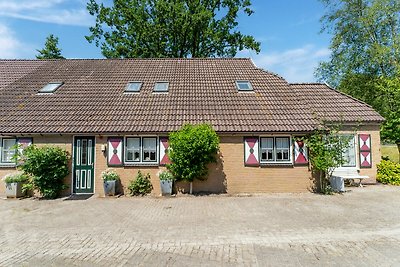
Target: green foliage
x=50, y=50
x=326, y=148
x=173, y=29
x=365, y=59
x=166, y=175
x=388, y=172
x=191, y=149
x=366, y=38
x=48, y=166
x=110, y=175
x=141, y=185
x=16, y=178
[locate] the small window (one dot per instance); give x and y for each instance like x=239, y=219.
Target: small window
x=132, y=151
x=267, y=149
x=349, y=155
x=282, y=148
x=51, y=87
x=149, y=149
x=275, y=149
x=161, y=87
x=7, y=150
x=244, y=86
x=140, y=150
x=133, y=87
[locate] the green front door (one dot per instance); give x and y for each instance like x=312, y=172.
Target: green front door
x=83, y=181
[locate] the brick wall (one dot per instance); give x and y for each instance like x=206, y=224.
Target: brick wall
x=227, y=175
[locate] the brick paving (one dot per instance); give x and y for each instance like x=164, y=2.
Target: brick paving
x=358, y=228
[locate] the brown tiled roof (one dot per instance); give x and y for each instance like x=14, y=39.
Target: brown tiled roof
x=331, y=105
x=92, y=98
x=12, y=70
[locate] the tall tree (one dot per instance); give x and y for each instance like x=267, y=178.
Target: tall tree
x=365, y=59
x=165, y=28
x=50, y=50
x=366, y=38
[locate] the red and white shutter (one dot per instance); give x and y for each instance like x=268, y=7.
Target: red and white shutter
x=164, y=151
x=300, y=152
x=115, y=151
x=251, y=157
x=364, y=144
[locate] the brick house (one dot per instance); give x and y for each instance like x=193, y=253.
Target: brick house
x=118, y=113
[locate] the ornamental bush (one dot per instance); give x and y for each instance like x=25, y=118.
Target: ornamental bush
x=141, y=185
x=48, y=166
x=388, y=172
x=16, y=178
x=192, y=148
x=109, y=175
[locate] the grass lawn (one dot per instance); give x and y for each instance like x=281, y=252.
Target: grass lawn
x=391, y=152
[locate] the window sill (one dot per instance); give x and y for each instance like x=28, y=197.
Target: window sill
x=140, y=164
x=8, y=165
x=276, y=164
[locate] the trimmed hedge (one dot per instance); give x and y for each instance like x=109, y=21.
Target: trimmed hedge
x=388, y=172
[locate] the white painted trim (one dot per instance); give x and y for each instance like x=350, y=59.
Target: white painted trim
x=275, y=162
x=141, y=162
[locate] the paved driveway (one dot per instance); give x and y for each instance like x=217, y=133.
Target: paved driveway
x=359, y=228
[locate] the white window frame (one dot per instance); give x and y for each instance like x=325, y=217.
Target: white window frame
x=355, y=151
x=275, y=150
x=133, y=91
x=56, y=86
x=141, y=160
x=156, y=90
x=2, y=151
x=237, y=82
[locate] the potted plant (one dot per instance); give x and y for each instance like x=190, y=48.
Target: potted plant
x=110, y=177
x=166, y=180
x=14, y=183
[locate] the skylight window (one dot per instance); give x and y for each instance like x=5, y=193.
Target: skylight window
x=161, y=87
x=50, y=87
x=244, y=86
x=133, y=87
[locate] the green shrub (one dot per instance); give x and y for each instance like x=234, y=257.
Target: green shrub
x=48, y=166
x=166, y=176
x=110, y=175
x=141, y=185
x=388, y=172
x=192, y=148
x=16, y=178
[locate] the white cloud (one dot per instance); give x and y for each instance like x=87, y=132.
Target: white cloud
x=49, y=11
x=10, y=46
x=295, y=65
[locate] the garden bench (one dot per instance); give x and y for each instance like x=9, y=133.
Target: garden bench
x=339, y=175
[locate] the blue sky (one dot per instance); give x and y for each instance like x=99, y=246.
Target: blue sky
x=288, y=30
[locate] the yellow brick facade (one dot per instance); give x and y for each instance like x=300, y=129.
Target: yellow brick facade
x=229, y=174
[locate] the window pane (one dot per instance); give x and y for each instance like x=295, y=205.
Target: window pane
x=349, y=154
x=132, y=143
x=7, y=150
x=282, y=142
x=133, y=87
x=161, y=87
x=133, y=149
x=267, y=143
x=243, y=85
x=149, y=149
x=50, y=87
x=149, y=143
x=84, y=152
